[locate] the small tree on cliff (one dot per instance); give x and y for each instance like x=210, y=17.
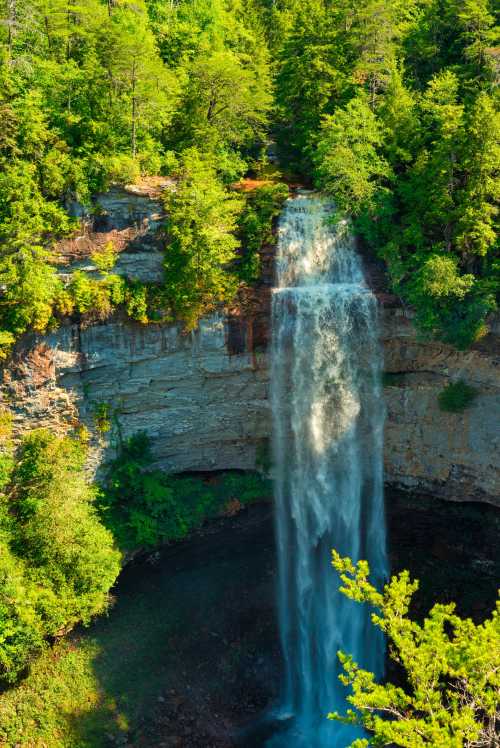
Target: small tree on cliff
x=452, y=668
x=202, y=219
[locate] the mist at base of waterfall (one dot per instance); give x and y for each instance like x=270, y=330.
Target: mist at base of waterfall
x=328, y=422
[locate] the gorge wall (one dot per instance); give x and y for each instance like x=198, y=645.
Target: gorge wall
x=203, y=396
x=451, y=455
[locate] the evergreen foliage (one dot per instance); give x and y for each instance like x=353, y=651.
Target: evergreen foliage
x=144, y=507
x=410, y=146
x=452, y=669
x=201, y=221
x=98, y=93
x=390, y=106
x=255, y=226
x=57, y=561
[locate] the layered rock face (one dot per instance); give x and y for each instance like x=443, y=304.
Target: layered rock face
x=451, y=455
x=203, y=397
x=128, y=218
x=203, y=408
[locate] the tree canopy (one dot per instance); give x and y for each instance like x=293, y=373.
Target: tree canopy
x=390, y=107
x=450, y=698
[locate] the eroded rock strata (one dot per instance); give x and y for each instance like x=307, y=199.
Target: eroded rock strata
x=203, y=397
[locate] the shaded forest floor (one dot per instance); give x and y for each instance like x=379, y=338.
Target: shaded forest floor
x=189, y=655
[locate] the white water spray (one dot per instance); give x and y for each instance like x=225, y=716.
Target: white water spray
x=328, y=432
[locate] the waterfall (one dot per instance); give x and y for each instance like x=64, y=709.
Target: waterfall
x=328, y=432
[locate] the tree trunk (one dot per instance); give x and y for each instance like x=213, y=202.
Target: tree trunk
x=47, y=30
x=11, y=22
x=134, y=113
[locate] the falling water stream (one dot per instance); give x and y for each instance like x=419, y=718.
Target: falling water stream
x=328, y=424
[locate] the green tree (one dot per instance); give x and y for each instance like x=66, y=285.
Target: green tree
x=21, y=627
x=311, y=78
x=349, y=164
x=225, y=101
x=478, y=35
x=452, y=669
x=477, y=229
x=376, y=28
x=256, y=226
x=202, y=217
x=141, y=90
x=68, y=552
x=57, y=561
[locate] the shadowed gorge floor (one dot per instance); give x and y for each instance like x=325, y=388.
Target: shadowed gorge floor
x=189, y=655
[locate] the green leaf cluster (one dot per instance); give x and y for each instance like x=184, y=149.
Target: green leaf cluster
x=393, y=108
x=256, y=224
x=145, y=507
x=451, y=665
x=202, y=219
x=57, y=560
x=97, y=93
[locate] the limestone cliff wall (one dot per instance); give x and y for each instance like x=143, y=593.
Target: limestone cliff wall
x=452, y=455
x=204, y=408
x=203, y=399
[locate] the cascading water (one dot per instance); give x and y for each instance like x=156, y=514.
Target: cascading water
x=328, y=424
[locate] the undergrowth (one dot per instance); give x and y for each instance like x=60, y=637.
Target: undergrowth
x=144, y=508
x=456, y=397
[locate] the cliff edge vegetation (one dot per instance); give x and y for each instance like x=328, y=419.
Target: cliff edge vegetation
x=389, y=107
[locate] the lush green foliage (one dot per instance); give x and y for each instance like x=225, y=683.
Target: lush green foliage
x=97, y=93
x=391, y=106
x=145, y=507
x=57, y=560
x=452, y=669
x=256, y=224
x=201, y=221
x=456, y=397
x=411, y=149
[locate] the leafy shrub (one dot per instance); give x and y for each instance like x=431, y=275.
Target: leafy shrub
x=452, y=669
x=102, y=417
x=105, y=259
x=456, y=397
x=136, y=301
x=202, y=216
x=255, y=226
x=57, y=561
x=21, y=627
x=145, y=507
x=96, y=297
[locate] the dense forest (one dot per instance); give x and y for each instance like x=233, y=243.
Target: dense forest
x=388, y=106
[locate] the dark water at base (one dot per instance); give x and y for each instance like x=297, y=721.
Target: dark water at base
x=190, y=651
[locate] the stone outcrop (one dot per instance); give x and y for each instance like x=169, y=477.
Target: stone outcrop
x=203, y=397
x=128, y=218
x=452, y=455
x=203, y=407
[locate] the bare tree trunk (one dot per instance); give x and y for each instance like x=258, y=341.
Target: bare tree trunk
x=68, y=20
x=11, y=22
x=47, y=30
x=134, y=113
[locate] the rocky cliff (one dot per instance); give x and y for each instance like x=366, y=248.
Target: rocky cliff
x=452, y=455
x=203, y=408
x=203, y=397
